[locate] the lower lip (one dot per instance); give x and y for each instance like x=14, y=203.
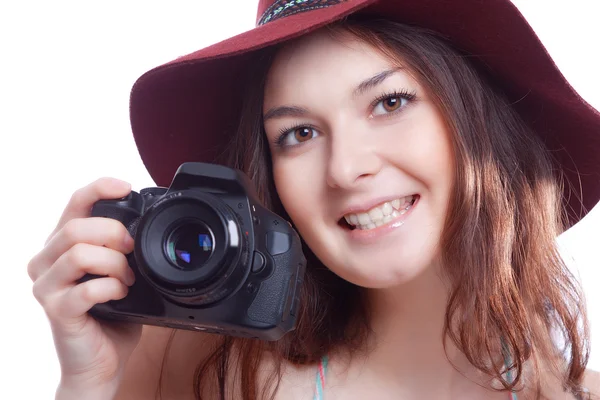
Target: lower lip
x=369, y=235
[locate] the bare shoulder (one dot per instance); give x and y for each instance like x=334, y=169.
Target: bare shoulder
x=172, y=357
x=150, y=363
x=297, y=381
x=552, y=387
x=591, y=381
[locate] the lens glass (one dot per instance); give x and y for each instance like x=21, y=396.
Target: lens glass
x=190, y=245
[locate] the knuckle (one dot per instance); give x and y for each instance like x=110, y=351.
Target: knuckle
x=38, y=293
x=77, y=255
x=71, y=229
x=115, y=231
x=78, y=197
x=123, y=262
x=86, y=292
x=32, y=268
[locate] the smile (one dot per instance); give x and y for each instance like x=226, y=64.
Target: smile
x=380, y=215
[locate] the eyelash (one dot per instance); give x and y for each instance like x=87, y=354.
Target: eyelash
x=284, y=132
x=405, y=94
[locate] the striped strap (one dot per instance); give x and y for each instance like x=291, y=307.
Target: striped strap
x=507, y=362
x=321, y=373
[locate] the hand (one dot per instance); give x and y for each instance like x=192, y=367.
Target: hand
x=92, y=353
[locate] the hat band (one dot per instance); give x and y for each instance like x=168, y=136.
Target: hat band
x=284, y=8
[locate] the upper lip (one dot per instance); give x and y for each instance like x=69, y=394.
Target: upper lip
x=363, y=207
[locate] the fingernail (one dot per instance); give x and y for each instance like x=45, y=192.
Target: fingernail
x=128, y=241
x=129, y=277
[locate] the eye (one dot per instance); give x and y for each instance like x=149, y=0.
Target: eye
x=296, y=135
x=390, y=103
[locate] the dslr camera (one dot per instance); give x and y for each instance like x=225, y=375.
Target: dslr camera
x=208, y=257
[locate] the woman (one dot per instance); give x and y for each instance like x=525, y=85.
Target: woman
x=419, y=153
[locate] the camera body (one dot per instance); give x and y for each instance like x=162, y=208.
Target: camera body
x=207, y=257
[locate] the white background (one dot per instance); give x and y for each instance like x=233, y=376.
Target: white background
x=66, y=69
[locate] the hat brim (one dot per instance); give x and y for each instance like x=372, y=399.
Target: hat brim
x=187, y=109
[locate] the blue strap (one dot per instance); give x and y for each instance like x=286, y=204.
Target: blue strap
x=321, y=373
x=507, y=362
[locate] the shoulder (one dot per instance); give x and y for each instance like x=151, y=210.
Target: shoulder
x=171, y=357
x=167, y=356
x=552, y=388
x=591, y=381
x=297, y=381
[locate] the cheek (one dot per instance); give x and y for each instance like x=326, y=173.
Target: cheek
x=297, y=188
x=443, y=165
x=439, y=167
x=428, y=147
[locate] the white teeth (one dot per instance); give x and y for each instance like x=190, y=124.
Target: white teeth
x=381, y=214
x=363, y=219
x=376, y=213
x=388, y=209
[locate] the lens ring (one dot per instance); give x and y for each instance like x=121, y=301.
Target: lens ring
x=189, y=245
x=224, y=270
x=160, y=223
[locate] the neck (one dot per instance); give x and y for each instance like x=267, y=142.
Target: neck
x=407, y=347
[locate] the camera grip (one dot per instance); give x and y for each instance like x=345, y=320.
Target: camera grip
x=278, y=296
x=127, y=210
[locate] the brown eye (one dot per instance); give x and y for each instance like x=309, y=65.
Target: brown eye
x=303, y=134
x=296, y=136
x=391, y=104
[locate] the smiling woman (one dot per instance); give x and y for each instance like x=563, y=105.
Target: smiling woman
x=411, y=174
x=372, y=145
x=427, y=193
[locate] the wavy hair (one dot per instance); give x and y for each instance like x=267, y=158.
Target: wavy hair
x=499, y=248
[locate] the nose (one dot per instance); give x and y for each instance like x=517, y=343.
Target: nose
x=352, y=160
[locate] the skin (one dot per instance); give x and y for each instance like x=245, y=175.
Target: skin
x=354, y=156
x=355, y=152
x=358, y=155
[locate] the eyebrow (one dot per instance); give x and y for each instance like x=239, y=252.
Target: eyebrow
x=295, y=111
x=285, y=111
x=373, y=81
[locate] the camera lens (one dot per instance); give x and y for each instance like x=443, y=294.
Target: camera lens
x=190, y=245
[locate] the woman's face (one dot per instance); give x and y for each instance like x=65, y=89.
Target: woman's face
x=361, y=159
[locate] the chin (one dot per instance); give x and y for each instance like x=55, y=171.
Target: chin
x=383, y=271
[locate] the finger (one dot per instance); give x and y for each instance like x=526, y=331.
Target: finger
x=80, y=298
x=82, y=259
x=81, y=202
x=96, y=231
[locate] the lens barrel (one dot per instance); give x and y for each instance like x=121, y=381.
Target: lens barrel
x=189, y=246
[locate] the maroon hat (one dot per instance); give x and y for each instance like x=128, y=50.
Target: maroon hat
x=177, y=112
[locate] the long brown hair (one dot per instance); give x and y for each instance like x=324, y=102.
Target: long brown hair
x=508, y=279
